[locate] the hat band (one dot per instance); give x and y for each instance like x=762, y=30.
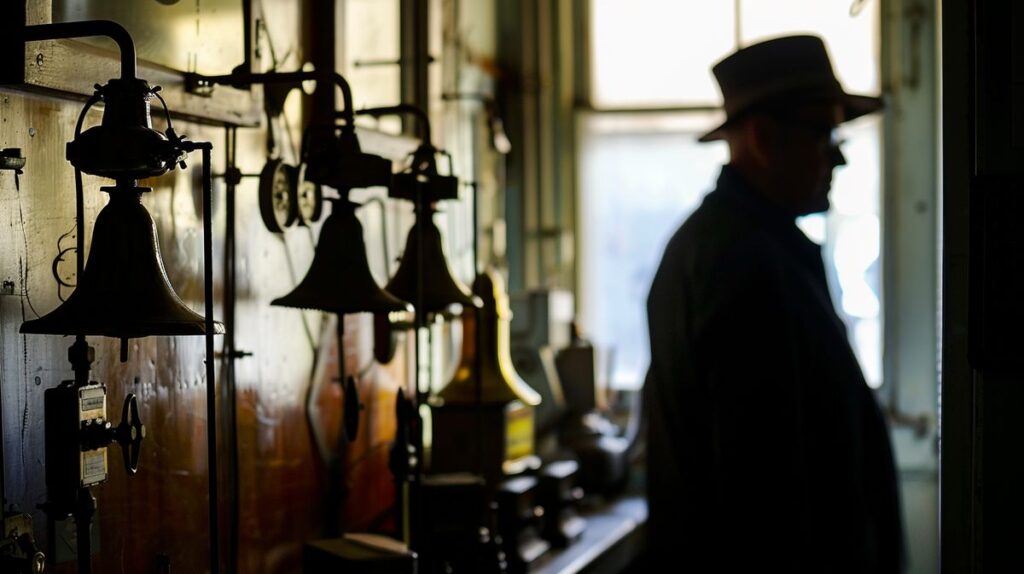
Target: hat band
x=799, y=88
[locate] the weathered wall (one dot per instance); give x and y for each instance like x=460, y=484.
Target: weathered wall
x=163, y=509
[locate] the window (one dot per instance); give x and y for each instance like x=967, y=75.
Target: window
x=642, y=171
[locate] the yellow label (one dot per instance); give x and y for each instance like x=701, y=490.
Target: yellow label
x=518, y=431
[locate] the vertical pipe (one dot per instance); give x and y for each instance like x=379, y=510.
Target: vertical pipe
x=323, y=43
x=247, y=38
x=332, y=520
x=230, y=351
x=85, y=507
x=211, y=376
x=414, y=514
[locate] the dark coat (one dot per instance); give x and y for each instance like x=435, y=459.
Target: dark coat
x=766, y=448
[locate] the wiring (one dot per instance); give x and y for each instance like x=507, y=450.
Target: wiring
x=61, y=252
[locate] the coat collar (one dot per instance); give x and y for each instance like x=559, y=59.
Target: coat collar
x=734, y=190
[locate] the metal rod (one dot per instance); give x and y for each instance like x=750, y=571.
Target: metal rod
x=247, y=37
x=85, y=508
x=478, y=384
x=112, y=30
x=332, y=521
x=230, y=350
x=211, y=375
x=415, y=515
x=296, y=78
x=403, y=109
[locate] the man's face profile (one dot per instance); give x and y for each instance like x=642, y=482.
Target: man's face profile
x=805, y=154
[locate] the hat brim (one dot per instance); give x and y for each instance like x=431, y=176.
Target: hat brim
x=854, y=106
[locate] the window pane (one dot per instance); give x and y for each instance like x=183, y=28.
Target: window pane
x=650, y=53
x=853, y=243
x=851, y=40
x=371, y=51
x=641, y=176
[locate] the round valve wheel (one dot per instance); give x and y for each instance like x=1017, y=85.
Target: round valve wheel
x=130, y=433
x=311, y=197
x=279, y=204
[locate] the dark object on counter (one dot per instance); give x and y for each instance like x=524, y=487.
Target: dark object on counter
x=598, y=443
x=559, y=496
x=540, y=328
x=520, y=521
x=459, y=535
x=358, y=554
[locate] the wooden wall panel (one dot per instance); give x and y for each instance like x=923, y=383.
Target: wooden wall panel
x=163, y=509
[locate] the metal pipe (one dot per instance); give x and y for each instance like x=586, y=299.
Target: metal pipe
x=85, y=508
x=403, y=109
x=211, y=376
x=296, y=78
x=415, y=487
x=335, y=488
x=112, y=30
x=230, y=350
x=247, y=39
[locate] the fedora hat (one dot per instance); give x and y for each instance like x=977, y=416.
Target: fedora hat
x=779, y=72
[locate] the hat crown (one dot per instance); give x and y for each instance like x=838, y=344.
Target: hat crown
x=778, y=68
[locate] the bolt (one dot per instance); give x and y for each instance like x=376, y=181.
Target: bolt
x=39, y=381
x=31, y=132
x=39, y=59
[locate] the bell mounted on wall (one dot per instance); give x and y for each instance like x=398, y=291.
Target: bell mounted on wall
x=339, y=279
x=123, y=290
x=424, y=276
x=424, y=259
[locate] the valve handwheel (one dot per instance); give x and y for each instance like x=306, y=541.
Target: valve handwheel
x=130, y=433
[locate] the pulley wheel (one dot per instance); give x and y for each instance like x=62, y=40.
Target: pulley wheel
x=311, y=197
x=279, y=203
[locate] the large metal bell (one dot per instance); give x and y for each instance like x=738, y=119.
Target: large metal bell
x=486, y=356
x=441, y=289
x=339, y=279
x=124, y=291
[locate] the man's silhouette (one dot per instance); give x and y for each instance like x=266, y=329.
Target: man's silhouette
x=766, y=450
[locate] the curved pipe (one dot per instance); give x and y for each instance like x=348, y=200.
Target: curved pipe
x=406, y=109
x=295, y=78
x=112, y=30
